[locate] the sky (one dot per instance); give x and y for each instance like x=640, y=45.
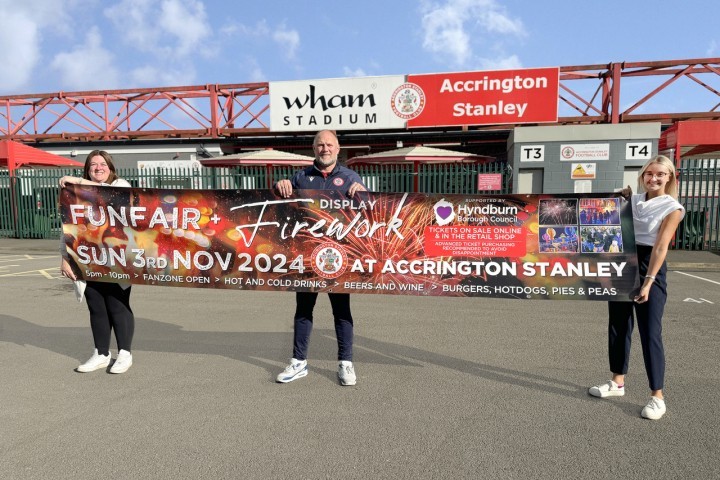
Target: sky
x=77, y=45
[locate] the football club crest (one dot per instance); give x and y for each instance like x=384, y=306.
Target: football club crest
x=408, y=101
x=329, y=260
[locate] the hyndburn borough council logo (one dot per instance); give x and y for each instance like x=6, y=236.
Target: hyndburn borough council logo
x=444, y=212
x=329, y=260
x=408, y=101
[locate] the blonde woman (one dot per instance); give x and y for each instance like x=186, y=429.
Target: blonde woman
x=656, y=215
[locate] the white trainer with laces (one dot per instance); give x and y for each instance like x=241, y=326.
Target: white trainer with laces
x=95, y=362
x=122, y=363
x=610, y=389
x=296, y=369
x=346, y=373
x=654, y=410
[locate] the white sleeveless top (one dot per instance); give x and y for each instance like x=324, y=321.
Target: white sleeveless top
x=648, y=215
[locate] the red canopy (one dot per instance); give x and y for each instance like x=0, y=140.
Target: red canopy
x=692, y=138
x=14, y=155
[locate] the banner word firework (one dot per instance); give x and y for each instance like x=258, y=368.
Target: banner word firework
x=508, y=246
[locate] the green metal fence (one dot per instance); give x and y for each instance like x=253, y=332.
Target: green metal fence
x=29, y=208
x=387, y=178
x=462, y=178
x=699, y=192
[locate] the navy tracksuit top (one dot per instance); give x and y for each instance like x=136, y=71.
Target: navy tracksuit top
x=339, y=179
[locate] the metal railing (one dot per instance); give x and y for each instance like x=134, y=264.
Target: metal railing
x=29, y=201
x=699, y=192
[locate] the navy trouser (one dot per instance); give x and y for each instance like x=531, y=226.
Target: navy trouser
x=649, y=321
x=305, y=303
x=109, y=306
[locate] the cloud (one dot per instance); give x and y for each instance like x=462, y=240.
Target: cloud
x=444, y=33
x=358, y=72
x=22, y=25
x=289, y=40
x=187, y=22
x=451, y=29
x=251, y=69
x=257, y=75
x=55, y=15
x=88, y=66
x=500, y=63
x=260, y=29
x=712, y=48
x=173, y=32
x=152, y=76
x=130, y=17
x=170, y=28
x=498, y=22
x=23, y=56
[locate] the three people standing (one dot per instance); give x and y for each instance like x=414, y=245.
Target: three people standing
x=656, y=214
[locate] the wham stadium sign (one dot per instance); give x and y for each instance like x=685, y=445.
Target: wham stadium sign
x=336, y=104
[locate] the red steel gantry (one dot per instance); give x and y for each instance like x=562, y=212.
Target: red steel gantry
x=588, y=94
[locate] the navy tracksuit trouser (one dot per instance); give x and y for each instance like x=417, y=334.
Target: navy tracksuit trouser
x=305, y=303
x=649, y=321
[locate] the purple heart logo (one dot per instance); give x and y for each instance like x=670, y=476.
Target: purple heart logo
x=444, y=212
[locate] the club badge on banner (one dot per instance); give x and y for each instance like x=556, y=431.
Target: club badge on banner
x=572, y=247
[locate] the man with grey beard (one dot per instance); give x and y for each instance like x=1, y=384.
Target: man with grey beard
x=324, y=174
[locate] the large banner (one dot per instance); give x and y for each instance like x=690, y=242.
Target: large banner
x=524, y=95
x=510, y=246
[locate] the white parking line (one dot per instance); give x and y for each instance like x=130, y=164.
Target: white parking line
x=699, y=278
x=46, y=274
x=20, y=258
x=28, y=273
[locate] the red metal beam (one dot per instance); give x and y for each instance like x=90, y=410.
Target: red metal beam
x=588, y=94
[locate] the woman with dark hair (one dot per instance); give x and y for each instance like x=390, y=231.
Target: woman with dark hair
x=109, y=303
x=656, y=215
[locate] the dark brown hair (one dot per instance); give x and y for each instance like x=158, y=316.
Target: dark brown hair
x=108, y=159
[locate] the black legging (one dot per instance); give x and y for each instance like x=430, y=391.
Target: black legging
x=109, y=306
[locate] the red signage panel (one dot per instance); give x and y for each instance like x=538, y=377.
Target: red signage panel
x=489, y=181
x=527, y=95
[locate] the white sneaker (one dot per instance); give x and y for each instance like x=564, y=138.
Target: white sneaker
x=122, y=363
x=296, y=369
x=95, y=362
x=654, y=410
x=346, y=373
x=610, y=389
